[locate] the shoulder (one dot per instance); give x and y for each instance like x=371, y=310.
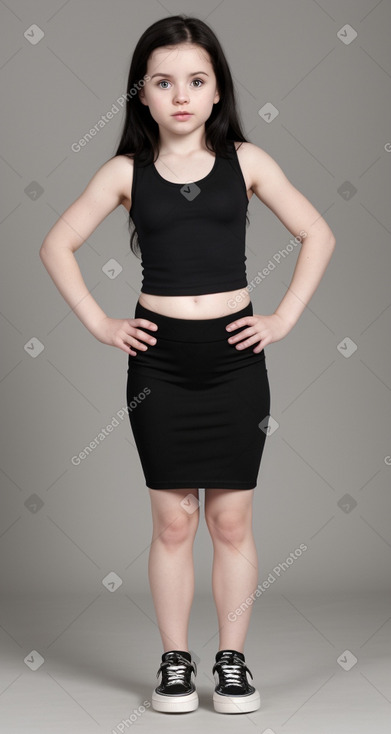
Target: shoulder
x=254, y=155
x=271, y=185
x=117, y=173
x=259, y=165
x=118, y=165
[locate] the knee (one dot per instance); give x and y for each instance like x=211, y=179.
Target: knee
x=228, y=527
x=178, y=529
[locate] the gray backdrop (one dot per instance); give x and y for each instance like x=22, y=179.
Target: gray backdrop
x=325, y=476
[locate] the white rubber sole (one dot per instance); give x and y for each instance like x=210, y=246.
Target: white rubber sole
x=174, y=704
x=236, y=704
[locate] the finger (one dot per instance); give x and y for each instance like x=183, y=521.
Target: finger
x=235, y=337
x=130, y=341
x=240, y=322
x=143, y=336
x=126, y=348
x=248, y=342
x=139, y=345
x=262, y=344
x=147, y=324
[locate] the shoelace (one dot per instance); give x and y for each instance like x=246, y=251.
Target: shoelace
x=233, y=669
x=176, y=673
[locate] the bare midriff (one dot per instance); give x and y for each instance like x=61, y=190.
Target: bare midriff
x=206, y=306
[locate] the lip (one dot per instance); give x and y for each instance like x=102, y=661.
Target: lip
x=182, y=114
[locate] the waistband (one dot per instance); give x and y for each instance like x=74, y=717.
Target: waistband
x=191, y=330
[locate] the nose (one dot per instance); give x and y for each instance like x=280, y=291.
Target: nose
x=181, y=95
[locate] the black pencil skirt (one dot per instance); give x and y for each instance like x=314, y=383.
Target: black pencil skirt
x=198, y=407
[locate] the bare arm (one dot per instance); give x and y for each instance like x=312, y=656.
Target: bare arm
x=312, y=261
x=103, y=194
x=100, y=198
x=304, y=222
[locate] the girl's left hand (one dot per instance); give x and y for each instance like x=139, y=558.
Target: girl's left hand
x=262, y=330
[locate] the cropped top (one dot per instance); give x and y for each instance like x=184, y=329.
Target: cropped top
x=192, y=235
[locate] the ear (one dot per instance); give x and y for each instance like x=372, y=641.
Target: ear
x=216, y=98
x=142, y=96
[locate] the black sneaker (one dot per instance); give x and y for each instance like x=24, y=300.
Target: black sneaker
x=233, y=693
x=176, y=692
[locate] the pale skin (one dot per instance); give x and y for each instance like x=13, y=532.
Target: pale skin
x=183, y=157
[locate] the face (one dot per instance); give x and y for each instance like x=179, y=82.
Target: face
x=182, y=78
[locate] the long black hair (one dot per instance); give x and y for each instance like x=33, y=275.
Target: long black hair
x=140, y=134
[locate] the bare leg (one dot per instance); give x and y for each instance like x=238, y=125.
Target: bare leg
x=228, y=515
x=170, y=566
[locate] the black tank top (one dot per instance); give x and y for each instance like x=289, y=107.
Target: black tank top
x=191, y=236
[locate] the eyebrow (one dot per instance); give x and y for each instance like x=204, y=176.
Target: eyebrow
x=193, y=74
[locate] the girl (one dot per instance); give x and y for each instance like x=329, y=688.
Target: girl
x=197, y=384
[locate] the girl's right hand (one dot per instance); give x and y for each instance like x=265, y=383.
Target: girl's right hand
x=124, y=334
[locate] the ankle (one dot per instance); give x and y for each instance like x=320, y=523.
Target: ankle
x=232, y=648
x=177, y=649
